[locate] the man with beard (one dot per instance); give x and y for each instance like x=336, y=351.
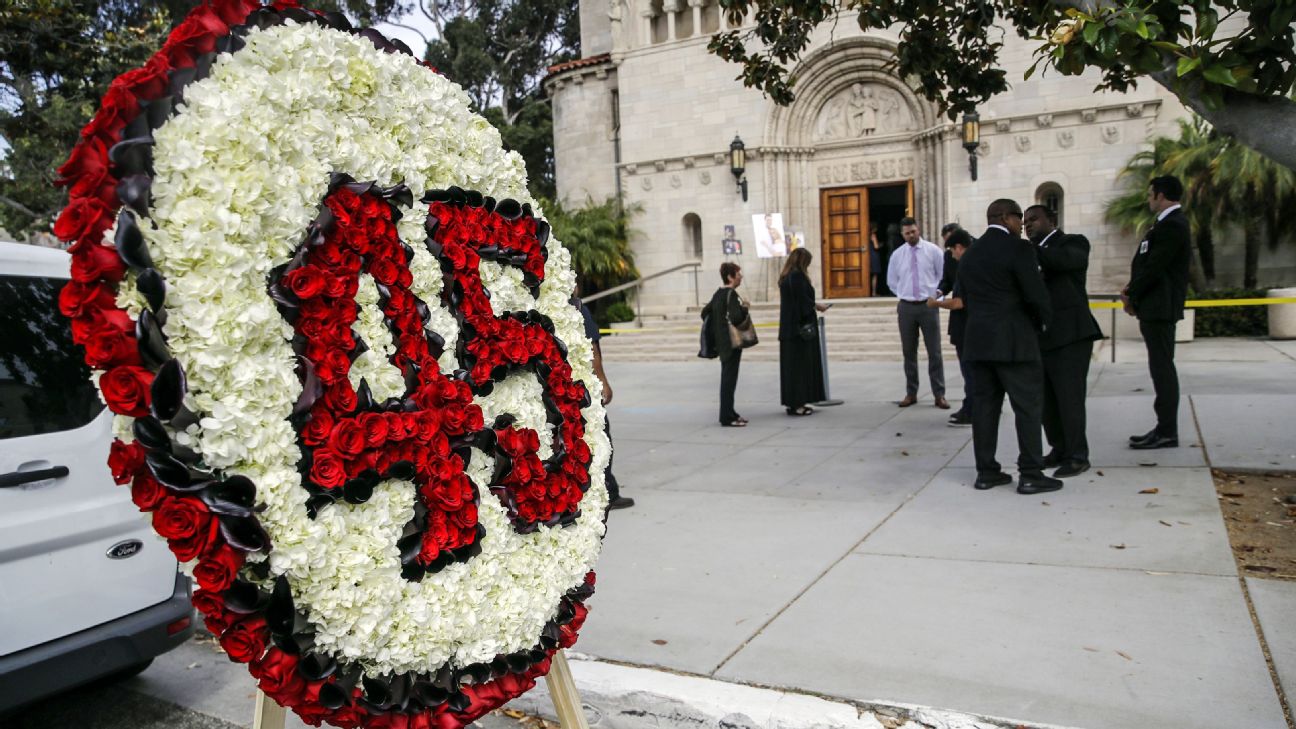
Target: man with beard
x=1000, y=285
x=1067, y=345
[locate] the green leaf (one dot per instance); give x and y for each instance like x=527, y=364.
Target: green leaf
x=1220, y=75
x=1091, y=31
x=1142, y=30
x=1186, y=65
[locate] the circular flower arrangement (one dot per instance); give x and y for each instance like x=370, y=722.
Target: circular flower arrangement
x=350, y=383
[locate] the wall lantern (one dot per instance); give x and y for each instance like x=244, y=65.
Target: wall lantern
x=972, y=140
x=738, y=164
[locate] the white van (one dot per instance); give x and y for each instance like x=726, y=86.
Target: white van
x=86, y=589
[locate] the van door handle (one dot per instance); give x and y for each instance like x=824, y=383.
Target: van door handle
x=18, y=478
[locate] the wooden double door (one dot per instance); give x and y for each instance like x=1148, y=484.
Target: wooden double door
x=845, y=214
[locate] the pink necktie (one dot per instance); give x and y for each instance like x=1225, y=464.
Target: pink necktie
x=917, y=287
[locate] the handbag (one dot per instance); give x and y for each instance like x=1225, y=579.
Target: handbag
x=808, y=331
x=743, y=334
x=706, y=345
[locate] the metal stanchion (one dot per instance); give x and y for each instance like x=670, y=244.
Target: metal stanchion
x=823, y=362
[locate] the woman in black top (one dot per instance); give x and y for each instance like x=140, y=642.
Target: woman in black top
x=876, y=275
x=800, y=368
x=727, y=307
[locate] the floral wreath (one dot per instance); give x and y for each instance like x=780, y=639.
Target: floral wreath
x=365, y=410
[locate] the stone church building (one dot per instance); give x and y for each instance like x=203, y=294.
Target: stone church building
x=648, y=114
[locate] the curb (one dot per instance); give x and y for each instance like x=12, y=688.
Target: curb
x=619, y=696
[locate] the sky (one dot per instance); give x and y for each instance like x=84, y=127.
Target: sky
x=410, y=38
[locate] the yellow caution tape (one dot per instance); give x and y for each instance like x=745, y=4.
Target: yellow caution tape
x=1206, y=303
x=1193, y=304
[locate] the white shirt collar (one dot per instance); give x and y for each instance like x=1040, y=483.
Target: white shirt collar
x=1000, y=227
x=1050, y=235
x=1167, y=211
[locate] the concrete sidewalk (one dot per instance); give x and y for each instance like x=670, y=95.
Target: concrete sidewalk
x=846, y=554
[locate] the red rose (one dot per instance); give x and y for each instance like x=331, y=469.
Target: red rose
x=108, y=346
x=117, y=108
x=375, y=429
x=332, y=368
x=146, y=492
x=80, y=299
x=194, y=37
x=125, y=460
x=385, y=271
x=218, y=570
x=327, y=469
x=126, y=390
x=340, y=398
x=277, y=675
x=245, y=641
x=89, y=157
x=348, y=438
x=465, y=517
x=306, y=282
x=92, y=262
x=201, y=543
x=148, y=82
x=212, y=606
x=181, y=518
x=318, y=427
x=84, y=218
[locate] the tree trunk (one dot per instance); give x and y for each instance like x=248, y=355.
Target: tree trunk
x=1250, y=273
x=1206, y=250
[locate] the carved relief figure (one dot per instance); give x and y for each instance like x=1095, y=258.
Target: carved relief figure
x=863, y=110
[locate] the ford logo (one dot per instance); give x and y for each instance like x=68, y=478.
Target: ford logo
x=128, y=548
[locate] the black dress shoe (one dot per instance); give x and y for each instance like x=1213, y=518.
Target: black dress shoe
x=1052, y=460
x=1037, y=483
x=1145, y=436
x=990, y=480
x=1155, y=441
x=620, y=502
x=1071, y=468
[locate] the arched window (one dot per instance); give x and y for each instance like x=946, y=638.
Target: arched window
x=693, y=236
x=1050, y=196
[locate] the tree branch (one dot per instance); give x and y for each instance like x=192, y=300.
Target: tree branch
x=19, y=207
x=1266, y=124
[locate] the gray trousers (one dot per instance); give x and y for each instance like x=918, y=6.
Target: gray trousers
x=915, y=317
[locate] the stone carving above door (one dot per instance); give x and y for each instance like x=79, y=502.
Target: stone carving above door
x=865, y=171
x=861, y=111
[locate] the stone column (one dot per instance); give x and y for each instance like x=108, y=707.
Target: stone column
x=647, y=14
x=614, y=17
x=696, y=5
x=672, y=8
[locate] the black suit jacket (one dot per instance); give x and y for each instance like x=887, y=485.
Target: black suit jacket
x=1007, y=305
x=1159, y=274
x=1064, y=262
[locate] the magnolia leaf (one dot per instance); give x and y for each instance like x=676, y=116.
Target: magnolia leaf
x=1186, y=65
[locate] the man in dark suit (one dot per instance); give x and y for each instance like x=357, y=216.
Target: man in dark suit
x=1000, y=285
x=1067, y=345
x=1157, y=288
x=957, y=242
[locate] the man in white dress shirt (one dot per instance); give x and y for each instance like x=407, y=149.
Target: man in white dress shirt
x=914, y=274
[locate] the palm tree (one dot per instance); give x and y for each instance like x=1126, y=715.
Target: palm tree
x=1225, y=182
x=1259, y=194
x=598, y=236
x=1188, y=157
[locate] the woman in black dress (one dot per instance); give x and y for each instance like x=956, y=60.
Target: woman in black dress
x=800, y=368
x=727, y=307
x=877, y=276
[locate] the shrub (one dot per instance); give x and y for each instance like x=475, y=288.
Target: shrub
x=620, y=312
x=1231, y=321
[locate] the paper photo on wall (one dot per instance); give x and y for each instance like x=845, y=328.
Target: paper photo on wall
x=771, y=241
